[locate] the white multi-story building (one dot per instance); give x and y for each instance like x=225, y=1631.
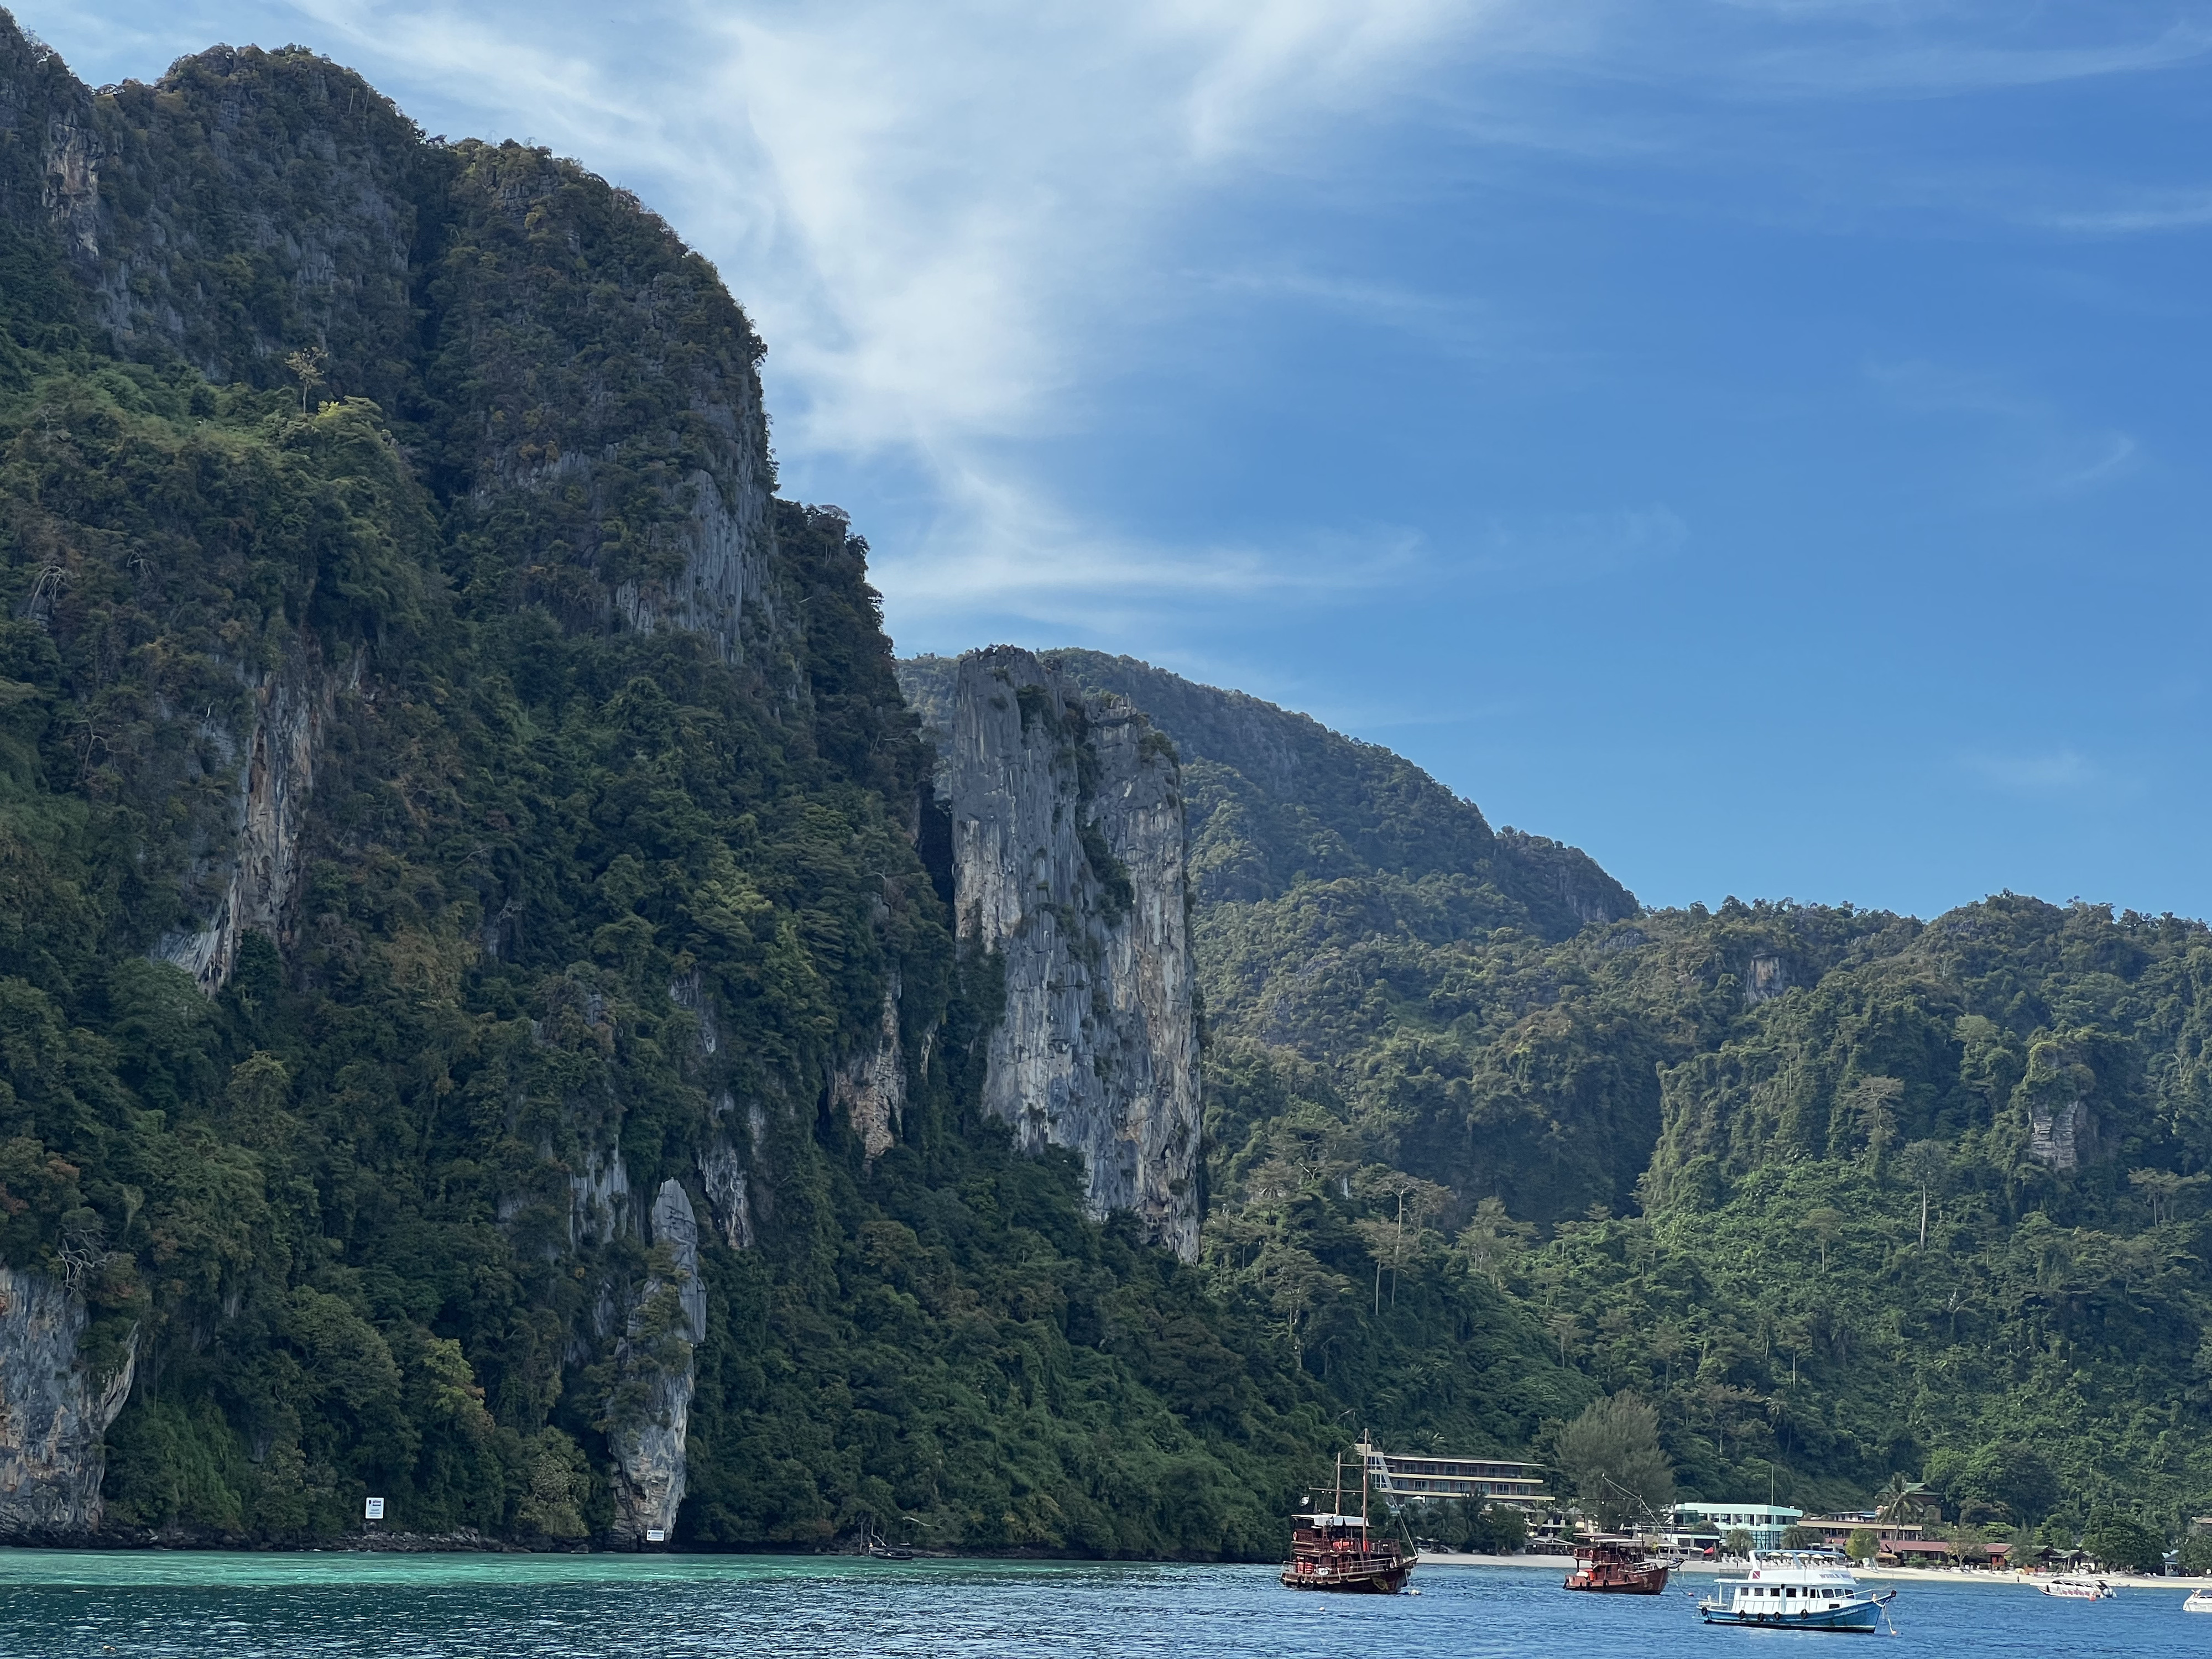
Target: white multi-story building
x=1702, y=1526
x=1409, y=1477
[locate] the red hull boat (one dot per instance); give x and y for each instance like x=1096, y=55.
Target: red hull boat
x=1343, y=1558
x=1616, y=1568
x=1338, y=1551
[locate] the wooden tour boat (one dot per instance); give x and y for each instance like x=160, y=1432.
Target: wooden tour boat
x=1338, y=1551
x=1616, y=1566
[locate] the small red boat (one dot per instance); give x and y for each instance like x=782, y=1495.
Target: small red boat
x=1616, y=1567
x=1338, y=1551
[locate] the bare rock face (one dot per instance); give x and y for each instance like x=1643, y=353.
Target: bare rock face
x=258, y=869
x=1766, y=978
x=52, y=1414
x=722, y=540
x=729, y=1193
x=652, y=1404
x=2063, y=1136
x=871, y=1087
x=1069, y=862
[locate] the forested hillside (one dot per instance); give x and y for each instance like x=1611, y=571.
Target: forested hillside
x=455, y=829
x=485, y=1021
x=1845, y=1195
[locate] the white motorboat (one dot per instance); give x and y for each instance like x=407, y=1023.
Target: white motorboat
x=2200, y=1600
x=1795, y=1589
x=2078, y=1589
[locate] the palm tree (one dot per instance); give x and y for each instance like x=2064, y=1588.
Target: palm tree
x=1901, y=1499
x=1823, y=1224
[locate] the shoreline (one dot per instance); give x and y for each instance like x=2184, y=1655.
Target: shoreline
x=2007, y=1577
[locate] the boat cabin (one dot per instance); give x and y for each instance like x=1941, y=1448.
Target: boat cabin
x=1337, y=1552
x=1811, y=1588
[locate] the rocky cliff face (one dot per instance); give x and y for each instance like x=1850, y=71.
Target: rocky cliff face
x=1069, y=861
x=52, y=1414
x=271, y=218
x=1276, y=798
x=566, y=378
x=871, y=1087
x=254, y=866
x=652, y=1406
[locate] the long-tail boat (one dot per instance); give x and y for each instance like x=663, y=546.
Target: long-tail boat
x=1338, y=1551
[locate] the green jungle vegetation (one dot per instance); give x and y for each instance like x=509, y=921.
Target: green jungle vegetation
x=1842, y=1199
x=548, y=857
x=1844, y=1196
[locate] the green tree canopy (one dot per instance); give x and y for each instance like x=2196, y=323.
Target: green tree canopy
x=1612, y=1456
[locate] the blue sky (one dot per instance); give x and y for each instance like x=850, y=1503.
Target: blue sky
x=1762, y=442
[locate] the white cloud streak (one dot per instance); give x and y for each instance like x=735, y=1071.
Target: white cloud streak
x=951, y=220
x=2058, y=771
x=956, y=223
x=2033, y=447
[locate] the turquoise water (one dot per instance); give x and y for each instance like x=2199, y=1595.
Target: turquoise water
x=312, y=1607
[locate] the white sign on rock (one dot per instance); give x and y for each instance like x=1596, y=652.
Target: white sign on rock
x=374, y=1509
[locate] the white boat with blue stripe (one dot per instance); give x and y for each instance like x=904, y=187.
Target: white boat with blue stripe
x=1795, y=1589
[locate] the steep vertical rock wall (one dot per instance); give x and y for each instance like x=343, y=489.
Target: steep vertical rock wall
x=52, y=1414
x=257, y=867
x=1069, y=862
x=578, y=396
x=652, y=1406
x=1276, y=798
x=871, y=1087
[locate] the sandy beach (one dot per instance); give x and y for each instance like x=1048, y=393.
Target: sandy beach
x=2119, y=1580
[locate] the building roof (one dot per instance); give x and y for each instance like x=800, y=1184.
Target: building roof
x=1690, y=1506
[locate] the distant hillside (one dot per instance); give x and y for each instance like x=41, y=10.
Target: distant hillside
x=1276, y=800
x=1340, y=888
x=1846, y=1195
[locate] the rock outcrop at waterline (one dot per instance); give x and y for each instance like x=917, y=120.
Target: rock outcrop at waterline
x=52, y=1413
x=650, y=1410
x=1069, y=862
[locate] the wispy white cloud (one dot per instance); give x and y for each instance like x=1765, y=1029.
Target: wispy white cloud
x=1009, y=552
x=956, y=222
x=2053, y=772
x=1908, y=51
x=2139, y=213
x=2031, y=448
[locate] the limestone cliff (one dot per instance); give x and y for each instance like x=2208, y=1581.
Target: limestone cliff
x=1069, y=862
x=1276, y=798
x=871, y=1087
x=284, y=177
x=651, y=1409
x=256, y=861
x=51, y=1414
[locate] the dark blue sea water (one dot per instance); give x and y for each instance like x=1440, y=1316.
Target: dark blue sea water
x=312, y=1607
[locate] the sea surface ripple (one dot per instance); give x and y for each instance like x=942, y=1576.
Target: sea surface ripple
x=308, y=1606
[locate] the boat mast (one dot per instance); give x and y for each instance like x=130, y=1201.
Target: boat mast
x=1365, y=1447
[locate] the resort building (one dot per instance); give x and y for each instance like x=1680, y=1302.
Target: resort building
x=1899, y=1539
x=1702, y=1526
x=1403, y=1477
x=1904, y=1542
